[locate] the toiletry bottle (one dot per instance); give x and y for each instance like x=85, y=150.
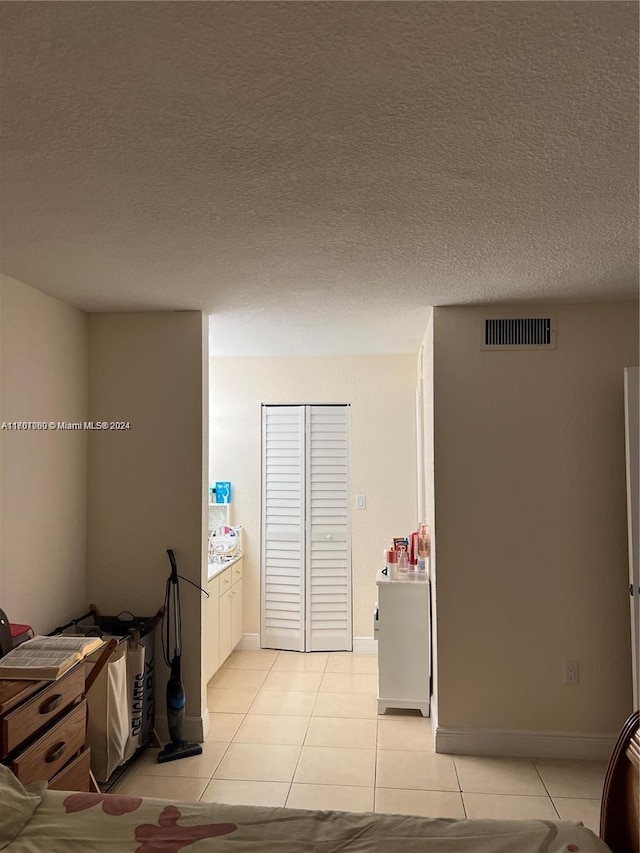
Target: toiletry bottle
x=413, y=551
x=385, y=561
x=403, y=562
x=424, y=542
x=424, y=547
x=392, y=563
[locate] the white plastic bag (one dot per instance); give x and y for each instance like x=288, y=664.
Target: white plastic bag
x=135, y=696
x=108, y=726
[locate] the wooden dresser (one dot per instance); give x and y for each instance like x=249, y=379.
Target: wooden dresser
x=43, y=730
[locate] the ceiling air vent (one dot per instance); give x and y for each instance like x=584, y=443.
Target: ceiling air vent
x=519, y=333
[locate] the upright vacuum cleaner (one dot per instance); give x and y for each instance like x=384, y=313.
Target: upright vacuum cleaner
x=172, y=636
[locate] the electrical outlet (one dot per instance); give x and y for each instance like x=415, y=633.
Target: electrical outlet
x=571, y=672
x=361, y=502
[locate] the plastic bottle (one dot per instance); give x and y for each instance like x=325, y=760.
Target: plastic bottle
x=424, y=542
x=403, y=562
x=413, y=551
x=391, y=562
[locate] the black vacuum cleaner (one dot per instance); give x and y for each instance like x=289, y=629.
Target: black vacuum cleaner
x=172, y=637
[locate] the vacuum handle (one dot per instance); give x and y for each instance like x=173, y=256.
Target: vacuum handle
x=174, y=566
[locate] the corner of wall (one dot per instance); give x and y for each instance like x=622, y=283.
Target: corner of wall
x=146, y=482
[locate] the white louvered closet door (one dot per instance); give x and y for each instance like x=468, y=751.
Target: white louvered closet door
x=306, y=542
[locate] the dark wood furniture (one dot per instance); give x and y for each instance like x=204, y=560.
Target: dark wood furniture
x=43, y=730
x=620, y=814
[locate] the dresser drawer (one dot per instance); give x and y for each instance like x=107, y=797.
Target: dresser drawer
x=23, y=722
x=75, y=776
x=50, y=752
x=236, y=571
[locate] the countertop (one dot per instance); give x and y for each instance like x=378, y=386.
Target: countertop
x=216, y=568
x=414, y=577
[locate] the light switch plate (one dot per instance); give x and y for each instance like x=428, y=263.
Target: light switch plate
x=361, y=502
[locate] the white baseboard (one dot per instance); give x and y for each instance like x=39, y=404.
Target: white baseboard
x=434, y=714
x=195, y=729
x=530, y=744
x=361, y=645
x=365, y=646
x=249, y=643
x=206, y=724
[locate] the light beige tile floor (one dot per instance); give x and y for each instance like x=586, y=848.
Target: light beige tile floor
x=302, y=730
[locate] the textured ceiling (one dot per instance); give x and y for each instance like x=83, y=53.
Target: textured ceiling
x=316, y=174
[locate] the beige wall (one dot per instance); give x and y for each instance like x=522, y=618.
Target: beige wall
x=531, y=523
x=2, y=286
x=146, y=484
x=381, y=390
x=43, y=364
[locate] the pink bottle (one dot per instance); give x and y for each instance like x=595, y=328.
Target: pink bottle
x=424, y=542
x=413, y=551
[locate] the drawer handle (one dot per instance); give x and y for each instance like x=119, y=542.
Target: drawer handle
x=51, y=704
x=55, y=752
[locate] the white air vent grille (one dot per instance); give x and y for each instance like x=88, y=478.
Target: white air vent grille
x=519, y=333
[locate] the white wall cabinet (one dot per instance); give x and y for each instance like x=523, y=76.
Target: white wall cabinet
x=223, y=628
x=230, y=610
x=211, y=660
x=236, y=613
x=224, y=625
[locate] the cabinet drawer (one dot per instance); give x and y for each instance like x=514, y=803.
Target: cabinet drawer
x=50, y=752
x=236, y=572
x=75, y=776
x=224, y=581
x=23, y=722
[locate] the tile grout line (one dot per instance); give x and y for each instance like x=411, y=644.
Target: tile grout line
x=544, y=785
x=293, y=775
x=375, y=763
x=455, y=770
x=244, y=717
x=286, y=799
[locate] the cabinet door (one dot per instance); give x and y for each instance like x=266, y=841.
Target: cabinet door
x=236, y=613
x=224, y=625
